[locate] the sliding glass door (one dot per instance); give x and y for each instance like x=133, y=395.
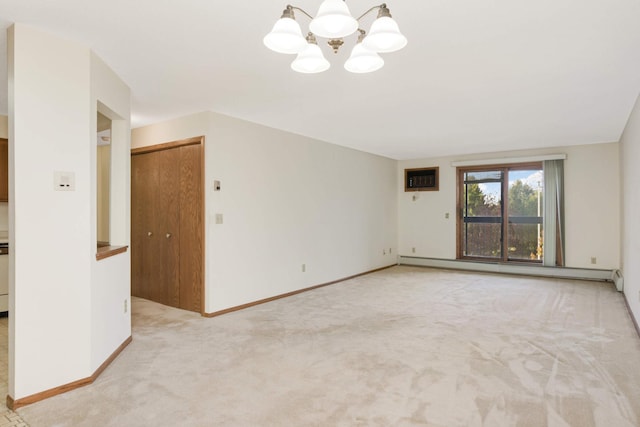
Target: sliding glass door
x=500, y=212
x=482, y=213
x=524, y=232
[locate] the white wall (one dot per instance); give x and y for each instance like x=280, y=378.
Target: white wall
x=592, y=200
x=630, y=158
x=287, y=200
x=49, y=118
x=4, y=126
x=110, y=277
x=172, y=130
x=55, y=299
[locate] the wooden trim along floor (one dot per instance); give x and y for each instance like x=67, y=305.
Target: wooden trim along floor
x=288, y=294
x=15, y=404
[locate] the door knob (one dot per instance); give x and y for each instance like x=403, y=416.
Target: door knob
x=149, y=233
x=168, y=235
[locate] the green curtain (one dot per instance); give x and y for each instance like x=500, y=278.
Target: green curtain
x=553, y=213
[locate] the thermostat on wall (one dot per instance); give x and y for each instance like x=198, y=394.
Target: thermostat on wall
x=64, y=181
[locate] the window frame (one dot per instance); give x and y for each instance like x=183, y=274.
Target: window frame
x=505, y=168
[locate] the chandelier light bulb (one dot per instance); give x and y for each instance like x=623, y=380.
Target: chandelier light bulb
x=310, y=60
x=363, y=60
x=333, y=20
x=285, y=37
x=384, y=36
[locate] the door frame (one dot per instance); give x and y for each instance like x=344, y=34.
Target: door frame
x=196, y=140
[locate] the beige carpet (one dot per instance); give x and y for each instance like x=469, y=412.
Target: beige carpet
x=401, y=347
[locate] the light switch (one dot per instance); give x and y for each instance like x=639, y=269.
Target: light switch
x=64, y=181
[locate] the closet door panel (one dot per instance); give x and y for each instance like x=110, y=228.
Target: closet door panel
x=167, y=225
x=191, y=228
x=141, y=245
x=165, y=212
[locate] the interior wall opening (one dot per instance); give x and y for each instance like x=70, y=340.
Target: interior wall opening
x=103, y=180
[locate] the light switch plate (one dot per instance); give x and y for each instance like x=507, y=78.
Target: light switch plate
x=64, y=181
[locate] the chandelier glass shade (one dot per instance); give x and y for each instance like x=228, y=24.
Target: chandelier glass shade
x=310, y=60
x=362, y=59
x=286, y=37
x=334, y=22
x=384, y=36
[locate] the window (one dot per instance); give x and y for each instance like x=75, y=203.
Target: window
x=501, y=212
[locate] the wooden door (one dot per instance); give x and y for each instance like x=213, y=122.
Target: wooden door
x=140, y=246
x=4, y=170
x=166, y=225
x=164, y=220
x=191, y=228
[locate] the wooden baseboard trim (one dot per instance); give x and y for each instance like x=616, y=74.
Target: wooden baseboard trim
x=15, y=404
x=288, y=294
x=633, y=319
x=111, y=358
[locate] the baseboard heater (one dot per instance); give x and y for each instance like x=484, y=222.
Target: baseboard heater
x=530, y=270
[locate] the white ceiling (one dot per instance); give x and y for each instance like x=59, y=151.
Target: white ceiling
x=476, y=75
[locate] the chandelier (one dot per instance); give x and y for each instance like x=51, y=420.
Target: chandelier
x=334, y=22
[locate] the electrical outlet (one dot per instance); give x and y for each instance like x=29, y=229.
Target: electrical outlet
x=446, y=215
x=593, y=260
x=413, y=250
x=304, y=267
x=384, y=252
x=126, y=305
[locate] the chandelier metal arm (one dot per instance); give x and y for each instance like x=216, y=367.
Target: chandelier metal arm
x=290, y=7
x=361, y=34
x=381, y=6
